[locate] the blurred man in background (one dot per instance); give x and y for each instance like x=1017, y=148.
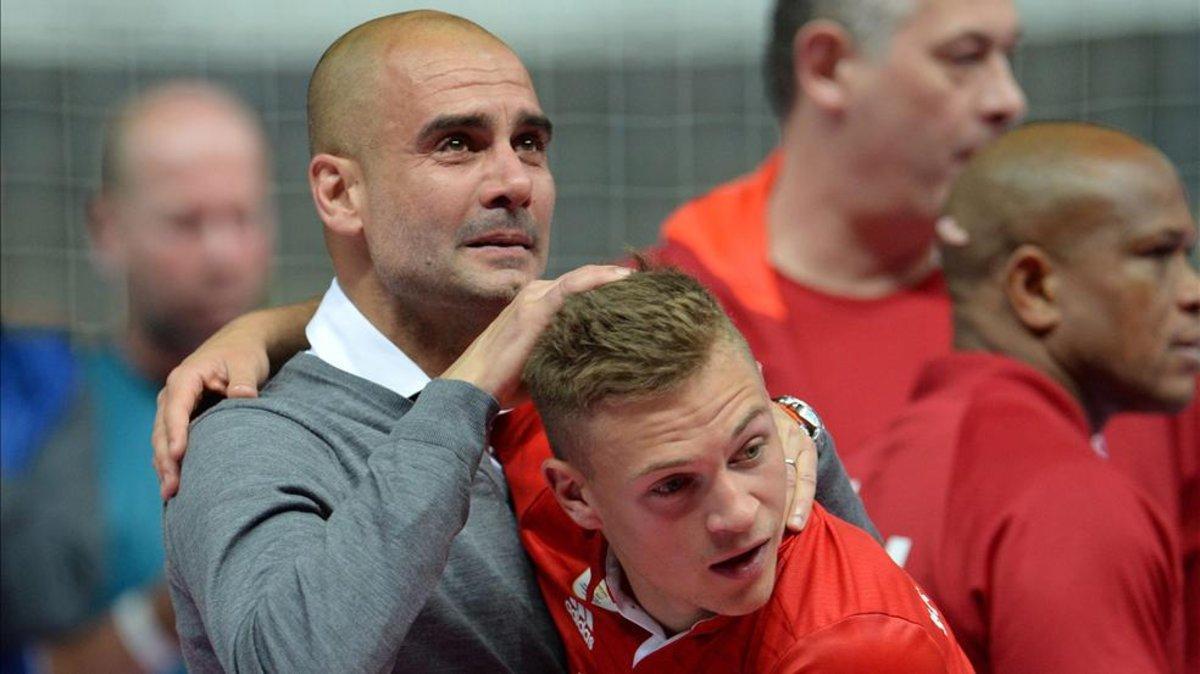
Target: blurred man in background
x=184, y=222
x=1073, y=300
x=825, y=255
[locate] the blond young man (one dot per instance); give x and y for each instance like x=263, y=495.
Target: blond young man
x=656, y=523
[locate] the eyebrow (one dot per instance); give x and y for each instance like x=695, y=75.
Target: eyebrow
x=979, y=36
x=445, y=123
x=683, y=460
x=536, y=121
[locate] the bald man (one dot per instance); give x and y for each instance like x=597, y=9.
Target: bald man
x=183, y=222
x=348, y=518
x=1073, y=301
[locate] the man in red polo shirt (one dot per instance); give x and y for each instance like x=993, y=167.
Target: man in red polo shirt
x=824, y=256
x=656, y=527
x=1073, y=300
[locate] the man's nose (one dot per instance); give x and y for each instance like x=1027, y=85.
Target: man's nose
x=508, y=184
x=733, y=507
x=224, y=237
x=1189, y=290
x=1003, y=100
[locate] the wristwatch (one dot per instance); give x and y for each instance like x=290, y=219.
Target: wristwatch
x=804, y=415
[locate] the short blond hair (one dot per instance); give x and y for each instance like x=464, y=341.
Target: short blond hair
x=639, y=337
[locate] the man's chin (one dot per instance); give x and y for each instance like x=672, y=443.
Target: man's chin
x=754, y=598
x=501, y=284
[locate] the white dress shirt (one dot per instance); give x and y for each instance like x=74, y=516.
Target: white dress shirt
x=340, y=335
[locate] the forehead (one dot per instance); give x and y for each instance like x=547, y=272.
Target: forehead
x=1114, y=202
x=1145, y=196
x=193, y=145
x=451, y=79
x=699, y=415
x=942, y=20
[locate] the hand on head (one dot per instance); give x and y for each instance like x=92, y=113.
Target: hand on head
x=493, y=362
x=234, y=362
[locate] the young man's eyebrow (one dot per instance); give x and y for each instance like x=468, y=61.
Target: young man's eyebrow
x=443, y=123
x=684, y=460
x=750, y=416
x=663, y=465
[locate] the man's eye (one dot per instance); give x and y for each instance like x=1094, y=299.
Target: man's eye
x=530, y=143
x=967, y=58
x=455, y=143
x=1165, y=250
x=671, y=485
x=748, y=453
x=185, y=223
x=966, y=52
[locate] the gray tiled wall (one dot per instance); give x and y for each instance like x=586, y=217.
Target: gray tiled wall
x=632, y=141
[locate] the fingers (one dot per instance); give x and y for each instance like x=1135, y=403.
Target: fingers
x=805, y=485
x=801, y=456
x=169, y=438
x=550, y=295
x=493, y=362
x=158, y=440
x=591, y=276
x=244, y=378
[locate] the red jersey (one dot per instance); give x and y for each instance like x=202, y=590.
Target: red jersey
x=839, y=604
x=857, y=360
x=1043, y=555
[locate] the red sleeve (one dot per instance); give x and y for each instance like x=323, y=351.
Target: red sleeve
x=873, y=643
x=521, y=447
x=1081, y=579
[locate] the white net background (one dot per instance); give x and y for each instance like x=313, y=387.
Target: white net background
x=653, y=102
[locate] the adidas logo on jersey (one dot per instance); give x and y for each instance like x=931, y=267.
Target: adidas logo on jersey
x=582, y=619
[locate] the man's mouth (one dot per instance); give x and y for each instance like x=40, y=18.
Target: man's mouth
x=1189, y=348
x=744, y=564
x=501, y=239
x=964, y=155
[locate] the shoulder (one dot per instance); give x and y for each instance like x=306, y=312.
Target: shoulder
x=1086, y=507
x=871, y=642
x=720, y=199
x=1024, y=405
x=307, y=398
x=855, y=610
x=280, y=440
x=833, y=570
x=721, y=215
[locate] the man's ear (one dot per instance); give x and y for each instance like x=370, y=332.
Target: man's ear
x=336, y=184
x=567, y=483
x=107, y=244
x=1032, y=286
x=819, y=55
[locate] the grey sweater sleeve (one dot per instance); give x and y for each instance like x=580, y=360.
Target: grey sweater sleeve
x=285, y=582
x=834, y=491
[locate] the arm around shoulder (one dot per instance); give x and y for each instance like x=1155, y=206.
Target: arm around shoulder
x=293, y=564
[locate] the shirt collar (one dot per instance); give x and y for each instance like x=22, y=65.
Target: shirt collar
x=340, y=335
x=629, y=609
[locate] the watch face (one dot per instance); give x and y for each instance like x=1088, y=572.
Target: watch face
x=804, y=413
